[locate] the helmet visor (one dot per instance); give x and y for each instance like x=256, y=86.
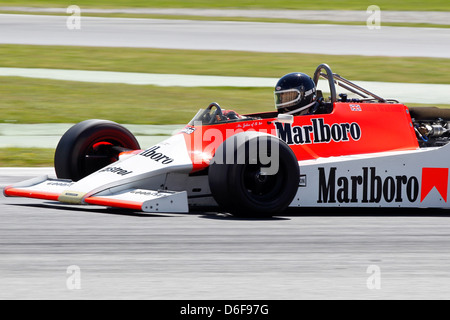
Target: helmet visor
x=286, y=98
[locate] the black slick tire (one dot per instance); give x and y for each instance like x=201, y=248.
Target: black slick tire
x=243, y=190
x=89, y=146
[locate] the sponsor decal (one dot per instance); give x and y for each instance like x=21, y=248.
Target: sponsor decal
x=70, y=194
x=145, y=193
x=73, y=197
x=369, y=187
x=59, y=184
x=366, y=188
x=309, y=92
x=116, y=170
x=434, y=177
x=156, y=156
x=318, y=132
x=302, y=181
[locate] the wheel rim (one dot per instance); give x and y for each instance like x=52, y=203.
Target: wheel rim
x=260, y=186
x=99, y=154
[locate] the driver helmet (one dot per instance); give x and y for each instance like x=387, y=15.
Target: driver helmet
x=295, y=93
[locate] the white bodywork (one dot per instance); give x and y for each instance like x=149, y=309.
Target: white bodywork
x=417, y=178
x=159, y=180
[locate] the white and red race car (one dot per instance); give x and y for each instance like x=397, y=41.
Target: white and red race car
x=361, y=152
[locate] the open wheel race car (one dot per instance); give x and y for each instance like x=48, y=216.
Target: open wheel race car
x=365, y=151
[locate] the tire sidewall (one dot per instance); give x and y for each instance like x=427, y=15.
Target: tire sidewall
x=75, y=142
x=228, y=188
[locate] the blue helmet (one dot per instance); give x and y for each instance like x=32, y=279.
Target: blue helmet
x=294, y=93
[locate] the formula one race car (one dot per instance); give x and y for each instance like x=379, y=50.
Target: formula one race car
x=366, y=151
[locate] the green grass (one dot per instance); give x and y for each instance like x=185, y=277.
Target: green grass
x=21, y=157
x=47, y=101
x=224, y=63
x=243, y=4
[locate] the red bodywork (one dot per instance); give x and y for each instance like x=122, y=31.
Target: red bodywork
x=351, y=128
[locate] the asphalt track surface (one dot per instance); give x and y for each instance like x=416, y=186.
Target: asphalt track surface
x=304, y=254
x=225, y=35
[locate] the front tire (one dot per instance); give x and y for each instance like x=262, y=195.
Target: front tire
x=89, y=146
x=243, y=189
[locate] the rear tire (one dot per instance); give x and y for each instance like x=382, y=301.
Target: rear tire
x=89, y=146
x=242, y=190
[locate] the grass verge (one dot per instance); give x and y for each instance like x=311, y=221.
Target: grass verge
x=49, y=101
x=20, y=157
x=223, y=63
x=439, y=5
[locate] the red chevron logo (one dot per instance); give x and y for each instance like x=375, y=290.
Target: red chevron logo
x=434, y=178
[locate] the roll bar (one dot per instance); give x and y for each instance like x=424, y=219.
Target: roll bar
x=328, y=76
x=334, y=78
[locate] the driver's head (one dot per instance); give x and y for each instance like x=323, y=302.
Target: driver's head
x=295, y=93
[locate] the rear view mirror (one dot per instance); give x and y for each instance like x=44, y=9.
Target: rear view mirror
x=285, y=118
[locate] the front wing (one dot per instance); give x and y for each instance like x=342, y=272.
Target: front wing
x=151, y=201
